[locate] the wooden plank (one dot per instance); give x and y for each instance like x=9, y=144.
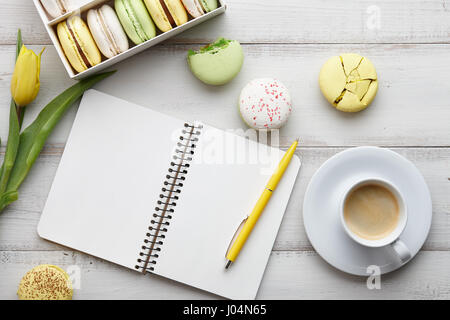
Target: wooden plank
x=289, y=21
x=411, y=108
x=434, y=165
x=304, y=275
x=407, y=40
x=289, y=275
x=18, y=223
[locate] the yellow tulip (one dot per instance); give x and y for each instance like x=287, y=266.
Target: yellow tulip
x=25, y=82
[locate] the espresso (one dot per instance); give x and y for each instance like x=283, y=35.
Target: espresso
x=371, y=212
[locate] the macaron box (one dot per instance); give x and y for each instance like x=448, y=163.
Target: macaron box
x=91, y=35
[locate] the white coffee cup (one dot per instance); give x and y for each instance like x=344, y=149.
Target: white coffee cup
x=393, y=238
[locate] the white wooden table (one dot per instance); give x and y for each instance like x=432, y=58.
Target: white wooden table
x=407, y=40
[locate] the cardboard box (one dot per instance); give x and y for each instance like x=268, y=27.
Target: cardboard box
x=84, y=6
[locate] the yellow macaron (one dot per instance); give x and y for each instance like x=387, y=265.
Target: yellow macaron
x=167, y=14
x=45, y=282
x=349, y=82
x=78, y=44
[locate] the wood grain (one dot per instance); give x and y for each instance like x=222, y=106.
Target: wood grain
x=289, y=21
x=408, y=41
x=410, y=109
x=18, y=223
x=289, y=275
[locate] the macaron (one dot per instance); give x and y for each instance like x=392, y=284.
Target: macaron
x=107, y=31
x=78, y=44
x=217, y=63
x=45, y=282
x=209, y=5
x=265, y=104
x=135, y=20
x=194, y=7
x=57, y=8
x=349, y=82
x=167, y=14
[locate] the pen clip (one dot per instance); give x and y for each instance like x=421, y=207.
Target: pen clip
x=236, y=233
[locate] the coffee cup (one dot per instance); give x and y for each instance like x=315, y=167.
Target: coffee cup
x=373, y=213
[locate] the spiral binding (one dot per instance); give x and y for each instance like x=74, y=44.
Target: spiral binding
x=167, y=202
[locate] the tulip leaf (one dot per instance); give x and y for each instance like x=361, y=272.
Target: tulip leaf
x=11, y=148
x=13, y=135
x=33, y=138
x=20, y=111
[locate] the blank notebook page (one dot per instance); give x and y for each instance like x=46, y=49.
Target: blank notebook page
x=109, y=178
x=109, y=181
x=225, y=180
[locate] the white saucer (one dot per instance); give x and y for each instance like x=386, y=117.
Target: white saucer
x=323, y=195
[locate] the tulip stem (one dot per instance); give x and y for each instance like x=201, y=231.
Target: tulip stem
x=20, y=115
x=12, y=145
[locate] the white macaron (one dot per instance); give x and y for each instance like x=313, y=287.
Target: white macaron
x=107, y=31
x=194, y=8
x=265, y=104
x=56, y=8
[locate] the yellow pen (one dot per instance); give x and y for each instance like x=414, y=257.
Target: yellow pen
x=251, y=220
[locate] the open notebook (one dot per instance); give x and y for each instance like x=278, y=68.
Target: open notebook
x=155, y=194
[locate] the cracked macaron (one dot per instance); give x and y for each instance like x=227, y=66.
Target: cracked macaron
x=218, y=63
x=78, y=44
x=349, y=82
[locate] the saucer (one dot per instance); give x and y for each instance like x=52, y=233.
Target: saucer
x=321, y=208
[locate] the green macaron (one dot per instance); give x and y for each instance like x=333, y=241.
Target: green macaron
x=209, y=5
x=135, y=20
x=217, y=63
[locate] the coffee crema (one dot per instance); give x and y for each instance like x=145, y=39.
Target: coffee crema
x=371, y=212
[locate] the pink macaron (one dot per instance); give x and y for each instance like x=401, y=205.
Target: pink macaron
x=265, y=104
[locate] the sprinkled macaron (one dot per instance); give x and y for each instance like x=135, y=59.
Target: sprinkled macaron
x=56, y=8
x=45, y=282
x=265, y=104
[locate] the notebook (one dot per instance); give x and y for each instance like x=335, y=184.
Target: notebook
x=160, y=195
